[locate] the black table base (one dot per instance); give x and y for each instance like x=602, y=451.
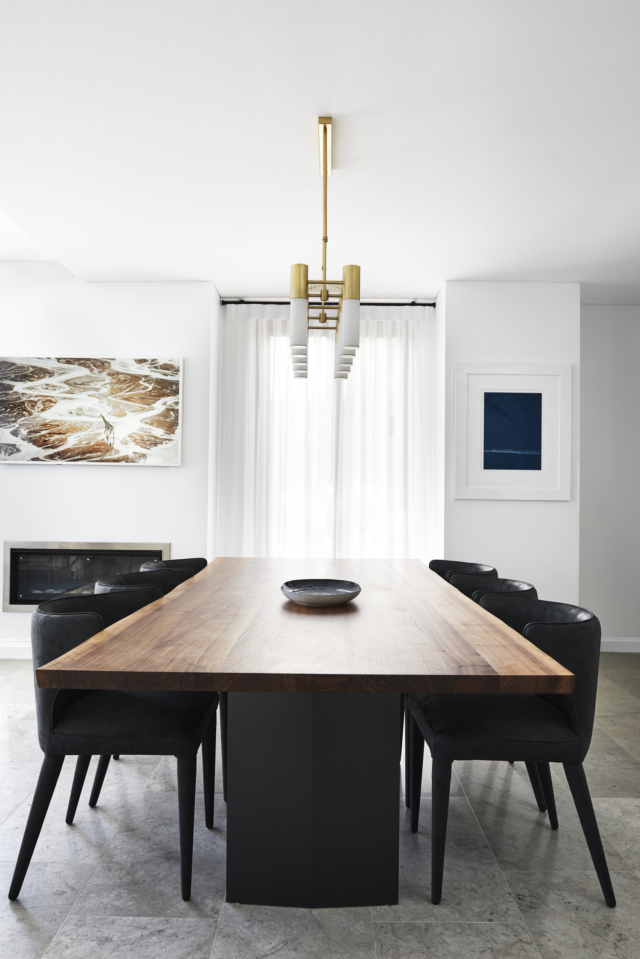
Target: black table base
x=313, y=798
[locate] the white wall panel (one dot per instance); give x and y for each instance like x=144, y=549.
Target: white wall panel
x=532, y=540
x=46, y=311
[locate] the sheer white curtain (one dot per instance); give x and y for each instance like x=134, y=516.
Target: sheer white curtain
x=323, y=467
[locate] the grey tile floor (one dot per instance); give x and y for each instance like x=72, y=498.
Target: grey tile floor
x=108, y=885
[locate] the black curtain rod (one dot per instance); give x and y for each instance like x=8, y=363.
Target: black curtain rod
x=316, y=306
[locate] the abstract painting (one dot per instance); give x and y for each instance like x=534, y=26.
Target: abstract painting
x=512, y=431
x=68, y=410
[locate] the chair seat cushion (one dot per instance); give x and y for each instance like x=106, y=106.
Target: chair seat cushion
x=514, y=727
x=133, y=723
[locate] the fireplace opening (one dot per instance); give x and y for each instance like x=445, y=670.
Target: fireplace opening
x=36, y=572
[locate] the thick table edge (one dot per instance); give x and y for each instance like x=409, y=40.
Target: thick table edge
x=52, y=678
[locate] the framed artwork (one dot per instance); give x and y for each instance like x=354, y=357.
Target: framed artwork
x=120, y=412
x=513, y=431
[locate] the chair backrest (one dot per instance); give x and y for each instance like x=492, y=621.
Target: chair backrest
x=571, y=636
x=195, y=563
x=181, y=573
x=60, y=625
x=446, y=567
x=477, y=586
x=164, y=579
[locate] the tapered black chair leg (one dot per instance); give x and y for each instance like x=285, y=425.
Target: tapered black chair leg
x=209, y=770
x=186, y=812
x=416, y=759
x=536, y=785
x=223, y=741
x=440, y=788
x=582, y=798
x=79, y=777
x=547, y=787
x=101, y=772
x=407, y=753
x=116, y=757
x=47, y=780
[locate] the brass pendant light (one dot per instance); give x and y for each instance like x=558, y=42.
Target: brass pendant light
x=337, y=301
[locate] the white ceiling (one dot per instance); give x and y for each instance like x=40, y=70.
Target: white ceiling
x=176, y=140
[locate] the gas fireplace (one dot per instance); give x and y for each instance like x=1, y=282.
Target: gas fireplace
x=35, y=572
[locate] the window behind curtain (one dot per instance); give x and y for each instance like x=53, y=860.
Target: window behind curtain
x=323, y=467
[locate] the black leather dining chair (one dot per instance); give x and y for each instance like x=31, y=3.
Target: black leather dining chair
x=92, y=722
x=155, y=586
x=537, y=729
x=166, y=574
x=475, y=587
x=444, y=568
x=195, y=563
x=447, y=567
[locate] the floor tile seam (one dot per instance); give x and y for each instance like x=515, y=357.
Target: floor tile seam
x=563, y=878
x=460, y=922
x=375, y=941
x=620, y=715
x=9, y=815
x=621, y=745
x=138, y=794
x=373, y=934
x=72, y=904
x=122, y=918
x=215, y=935
x=630, y=868
x=451, y=922
x=486, y=839
x=121, y=867
x=558, y=779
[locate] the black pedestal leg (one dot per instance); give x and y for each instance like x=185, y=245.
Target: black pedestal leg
x=336, y=758
x=209, y=770
x=79, y=776
x=223, y=741
x=582, y=798
x=407, y=753
x=101, y=772
x=49, y=772
x=536, y=785
x=547, y=788
x=440, y=787
x=416, y=758
x=186, y=813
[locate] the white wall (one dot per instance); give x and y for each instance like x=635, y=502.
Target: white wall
x=534, y=540
x=610, y=445
x=46, y=311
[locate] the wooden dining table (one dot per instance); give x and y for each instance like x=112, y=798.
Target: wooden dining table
x=314, y=706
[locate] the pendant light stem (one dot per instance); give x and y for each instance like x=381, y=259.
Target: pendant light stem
x=325, y=238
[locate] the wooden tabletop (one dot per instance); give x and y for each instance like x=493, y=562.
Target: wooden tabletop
x=230, y=628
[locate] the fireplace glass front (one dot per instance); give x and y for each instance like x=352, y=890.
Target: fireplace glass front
x=39, y=573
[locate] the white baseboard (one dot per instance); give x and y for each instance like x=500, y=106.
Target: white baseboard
x=620, y=644
x=15, y=649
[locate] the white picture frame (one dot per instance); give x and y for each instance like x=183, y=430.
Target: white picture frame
x=553, y=480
